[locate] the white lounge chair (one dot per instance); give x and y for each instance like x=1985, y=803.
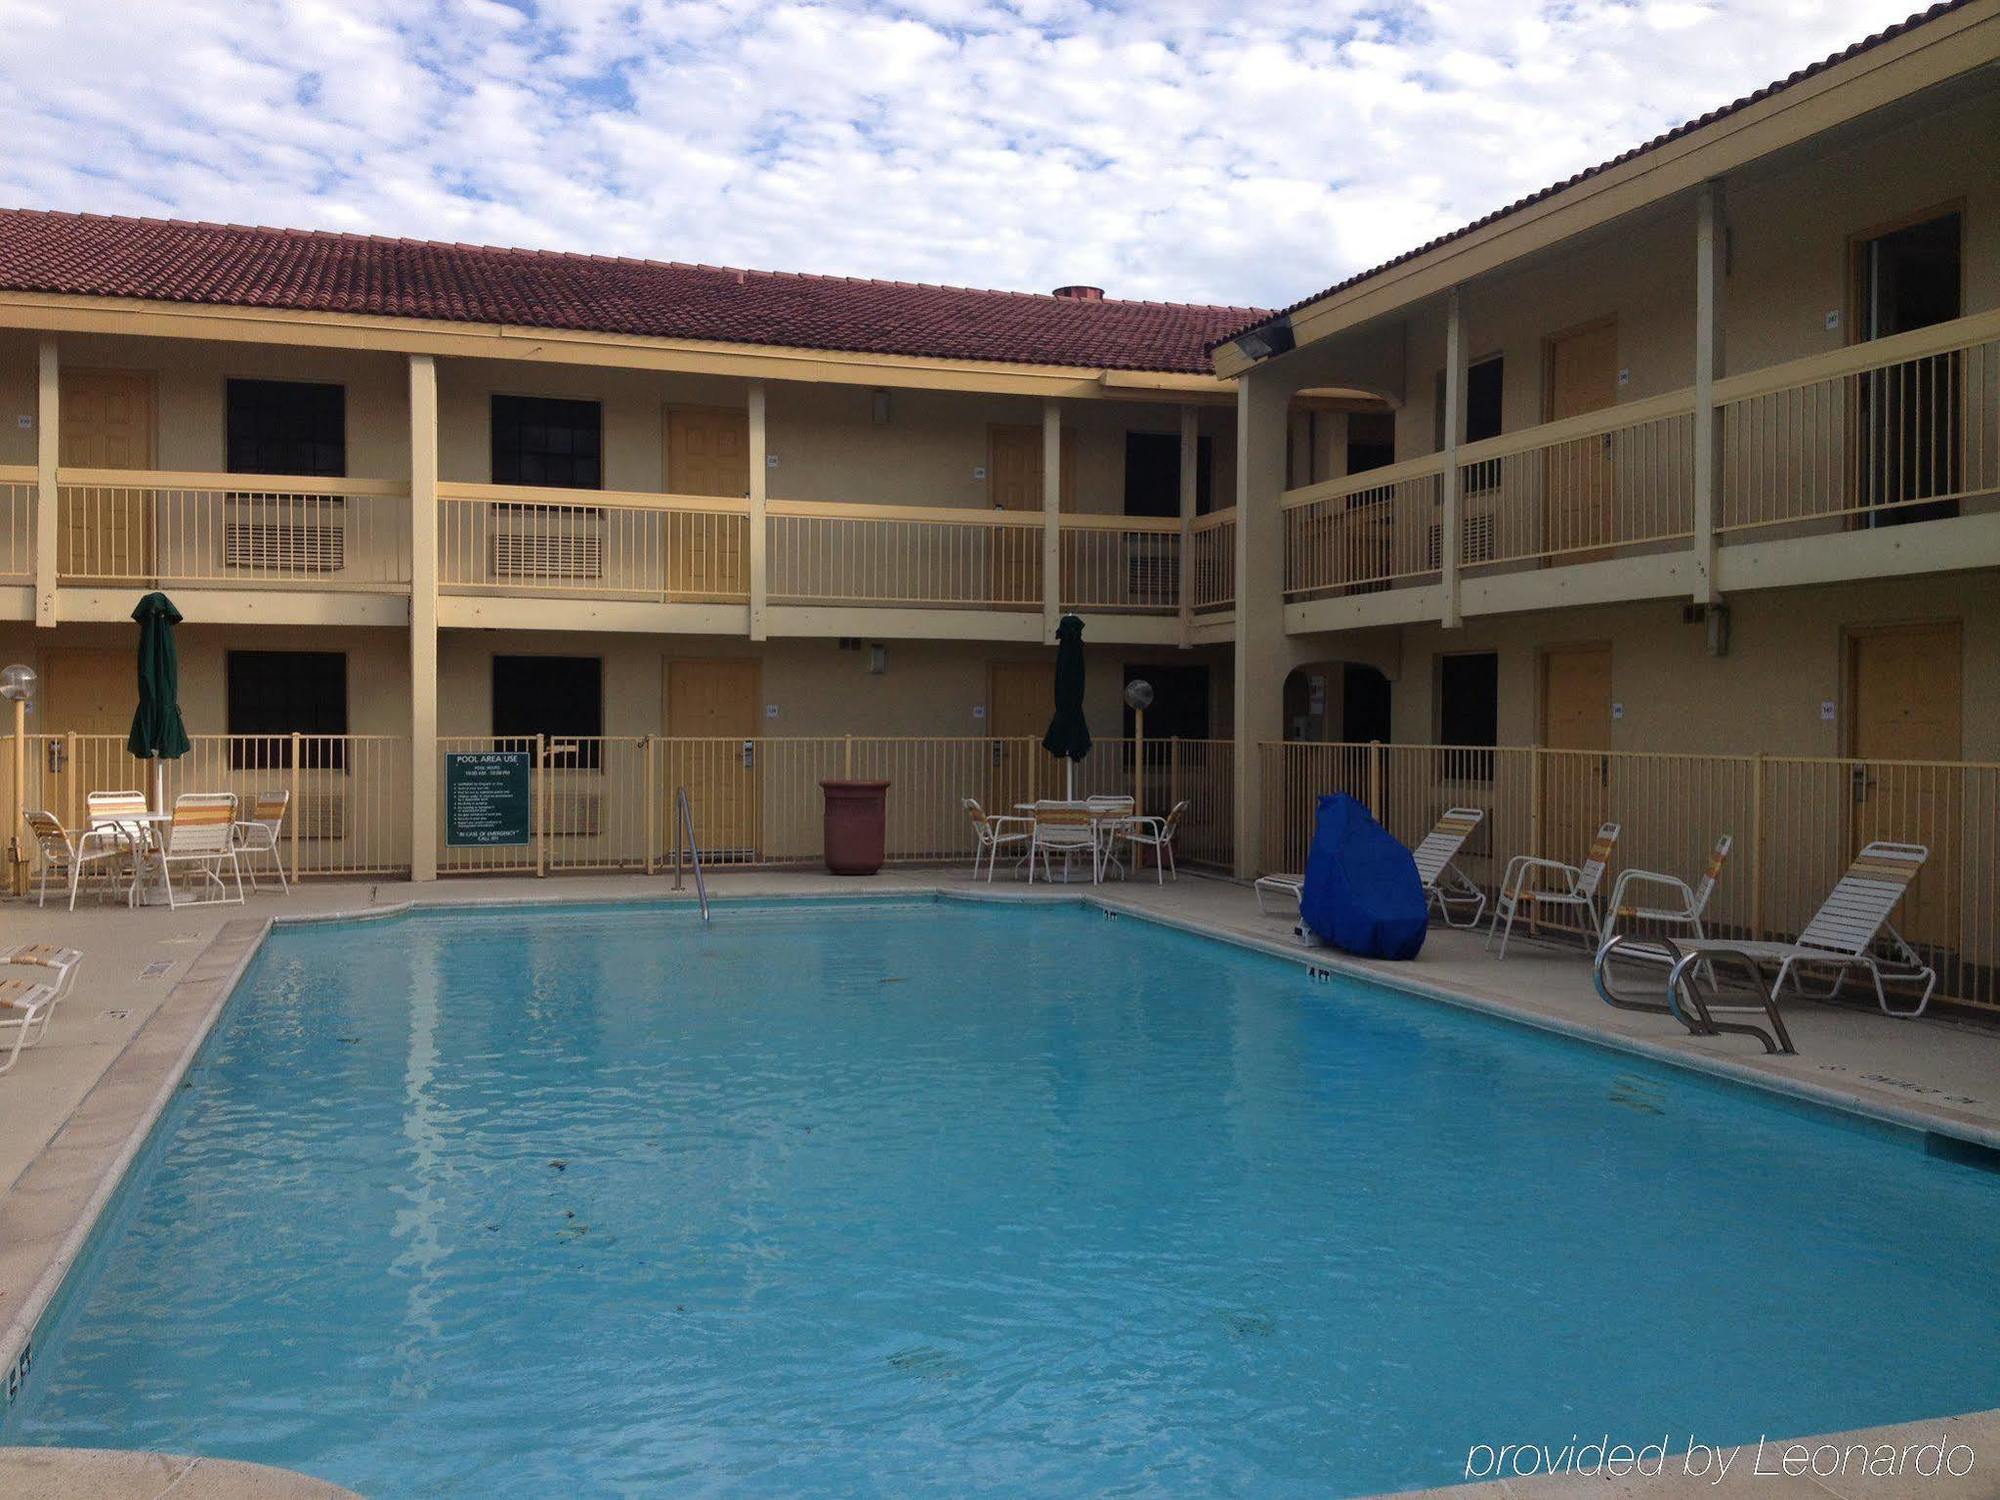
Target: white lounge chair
x=993, y=831
x=1685, y=912
x=1156, y=834
x=1841, y=935
x=24, y=1010
x=107, y=852
x=62, y=963
x=1288, y=884
x=1576, y=889
x=259, y=834
x=1067, y=829
x=1445, y=885
x=203, y=835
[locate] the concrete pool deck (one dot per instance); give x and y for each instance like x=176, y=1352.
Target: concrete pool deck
x=78, y=1106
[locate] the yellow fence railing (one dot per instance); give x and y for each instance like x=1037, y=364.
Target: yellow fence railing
x=926, y=556
x=1796, y=823
x=134, y=528
x=1121, y=564
x=17, y=524
x=1212, y=557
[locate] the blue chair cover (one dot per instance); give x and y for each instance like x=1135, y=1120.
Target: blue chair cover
x=1362, y=893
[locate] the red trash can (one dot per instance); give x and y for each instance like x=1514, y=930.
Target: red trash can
x=856, y=814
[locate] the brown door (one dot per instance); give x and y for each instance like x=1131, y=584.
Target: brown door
x=1905, y=693
x=707, y=453
x=1576, y=720
x=89, y=693
x=1014, y=482
x=711, y=712
x=1583, y=377
x=107, y=423
x=1020, y=699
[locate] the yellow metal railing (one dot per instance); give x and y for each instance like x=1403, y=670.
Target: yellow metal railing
x=1212, y=557
x=1121, y=564
x=923, y=556
x=521, y=540
x=1796, y=821
x=1368, y=531
x=17, y=524
x=1898, y=428
x=125, y=528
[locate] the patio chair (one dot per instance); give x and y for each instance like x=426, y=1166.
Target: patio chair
x=1842, y=935
x=1065, y=828
x=259, y=834
x=24, y=1008
x=1445, y=885
x=1683, y=911
x=61, y=962
x=993, y=831
x=1110, y=813
x=1156, y=834
x=202, y=835
x=107, y=851
x=1575, y=890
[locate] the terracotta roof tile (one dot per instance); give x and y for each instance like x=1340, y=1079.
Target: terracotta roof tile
x=241, y=266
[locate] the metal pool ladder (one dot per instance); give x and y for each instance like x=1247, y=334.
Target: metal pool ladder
x=684, y=815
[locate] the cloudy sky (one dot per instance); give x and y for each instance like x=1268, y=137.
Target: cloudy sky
x=1192, y=150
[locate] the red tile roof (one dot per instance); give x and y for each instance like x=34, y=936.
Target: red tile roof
x=1866, y=44
x=232, y=265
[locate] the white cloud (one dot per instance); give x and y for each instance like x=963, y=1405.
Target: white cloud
x=1184, y=149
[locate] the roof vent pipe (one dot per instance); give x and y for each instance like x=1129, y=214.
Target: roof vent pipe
x=1079, y=293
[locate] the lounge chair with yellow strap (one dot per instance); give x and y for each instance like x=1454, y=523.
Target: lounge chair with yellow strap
x=1566, y=886
x=24, y=1010
x=1445, y=885
x=1682, y=906
x=60, y=963
x=203, y=835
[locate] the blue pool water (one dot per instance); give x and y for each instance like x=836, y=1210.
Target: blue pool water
x=946, y=1200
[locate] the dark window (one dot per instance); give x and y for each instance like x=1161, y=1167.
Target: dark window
x=1364, y=704
x=1485, y=385
x=1153, y=474
x=277, y=694
x=1180, y=701
x=287, y=427
x=560, y=697
x=1909, y=413
x=545, y=441
x=1371, y=441
x=1469, y=710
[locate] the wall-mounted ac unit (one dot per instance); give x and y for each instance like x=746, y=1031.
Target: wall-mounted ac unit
x=548, y=544
x=284, y=534
x=1475, y=544
x=1153, y=570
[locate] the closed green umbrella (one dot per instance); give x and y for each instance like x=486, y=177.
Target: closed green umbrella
x=1069, y=735
x=157, y=731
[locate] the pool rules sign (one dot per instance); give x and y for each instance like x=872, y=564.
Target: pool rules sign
x=486, y=797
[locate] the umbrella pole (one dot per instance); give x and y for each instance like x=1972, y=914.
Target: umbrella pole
x=159, y=785
x=1069, y=784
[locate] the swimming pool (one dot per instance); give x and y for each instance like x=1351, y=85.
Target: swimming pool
x=949, y=1198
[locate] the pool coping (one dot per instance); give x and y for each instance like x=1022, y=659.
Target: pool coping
x=90, y=1152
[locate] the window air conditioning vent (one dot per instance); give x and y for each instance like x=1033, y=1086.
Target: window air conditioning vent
x=546, y=545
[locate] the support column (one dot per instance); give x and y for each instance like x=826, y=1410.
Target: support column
x=1052, y=498
x=1262, y=654
x=48, y=448
x=424, y=768
x=1711, y=241
x=1190, y=471
x=760, y=494
x=1454, y=430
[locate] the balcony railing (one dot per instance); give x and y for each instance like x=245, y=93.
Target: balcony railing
x=512, y=539
x=1121, y=564
x=1369, y=531
x=1903, y=428
x=921, y=556
x=128, y=527
x=17, y=524
x=1906, y=427
x=1212, y=544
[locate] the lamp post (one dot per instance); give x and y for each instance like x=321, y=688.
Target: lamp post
x=1138, y=698
x=17, y=686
